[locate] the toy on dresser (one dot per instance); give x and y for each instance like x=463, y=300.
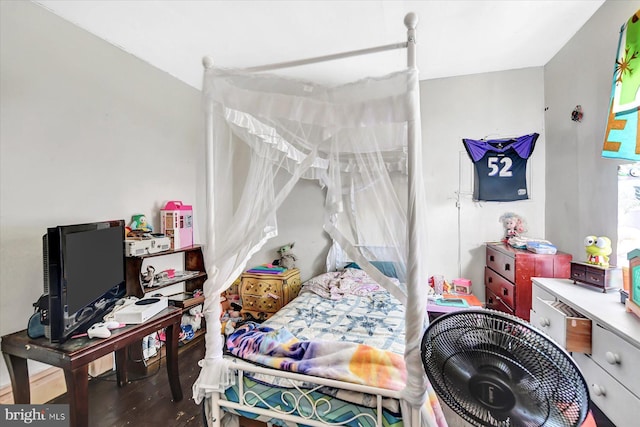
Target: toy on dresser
x=287, y=257
x=514, y=225
x=598, y=250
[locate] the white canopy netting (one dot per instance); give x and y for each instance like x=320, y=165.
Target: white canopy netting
x=264, y=134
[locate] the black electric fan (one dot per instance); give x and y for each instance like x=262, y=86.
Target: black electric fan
x=494, y=369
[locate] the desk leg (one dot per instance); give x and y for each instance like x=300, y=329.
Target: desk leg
x=78, y=393
x=172, y=361
x=121, y=367
x=19, y=374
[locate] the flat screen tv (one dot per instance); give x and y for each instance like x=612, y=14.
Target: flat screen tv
x=84, y=275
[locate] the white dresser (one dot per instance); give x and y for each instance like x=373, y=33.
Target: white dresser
x=602, y=337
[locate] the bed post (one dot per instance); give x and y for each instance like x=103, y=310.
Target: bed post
x=415, y=308
x=215, y=413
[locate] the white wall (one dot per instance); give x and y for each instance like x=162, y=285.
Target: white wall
x=581, y=184
x=88, y=132
x=492, y=105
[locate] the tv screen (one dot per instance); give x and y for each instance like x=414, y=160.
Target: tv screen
x=93, y=264
x=84, y=275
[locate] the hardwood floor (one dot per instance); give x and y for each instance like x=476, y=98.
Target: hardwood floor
x=146, y=401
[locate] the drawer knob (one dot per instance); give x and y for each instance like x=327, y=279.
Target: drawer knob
x=544, y=322
x=599, y=390
x=612, y=358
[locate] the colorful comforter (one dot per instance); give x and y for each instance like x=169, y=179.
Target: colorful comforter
x=343, y=361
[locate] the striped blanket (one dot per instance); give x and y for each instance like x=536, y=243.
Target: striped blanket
x=343, y=361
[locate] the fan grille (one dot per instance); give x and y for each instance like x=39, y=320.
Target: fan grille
x=494, y=369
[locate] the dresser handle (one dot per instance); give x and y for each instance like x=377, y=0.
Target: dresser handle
x=507, y=267
x=544, y=322
x=598, y=390
x=612, y=358
x=491, y=258
x=505, y=292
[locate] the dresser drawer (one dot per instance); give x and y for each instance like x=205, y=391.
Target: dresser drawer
x=501, y=263
x=256, y=304
x=563, y=324
x=494, y=302
x=617, y=402
x=263, y=295
x=500, y=286
x=538, y=293
x=617, y=357
x=259, y=286
x=578, y=272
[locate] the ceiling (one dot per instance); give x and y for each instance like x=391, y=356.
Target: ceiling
x=454, y=37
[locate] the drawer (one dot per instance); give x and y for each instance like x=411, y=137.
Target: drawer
x=501, y=263
x=494, y=302
x=538, y=293
x=564, y=325
x=618, y=357
x=578, y=272
x=500, y=286
x=261, y=304
x=260, y=287
x=617, y=402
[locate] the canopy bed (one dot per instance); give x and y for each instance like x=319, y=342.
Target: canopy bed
x=360, y=142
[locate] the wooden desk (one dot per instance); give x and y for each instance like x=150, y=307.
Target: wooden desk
x=74, y=356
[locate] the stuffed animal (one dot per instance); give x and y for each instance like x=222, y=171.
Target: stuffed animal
x=139, y=222
x=513, y=224
x=287, y=257
x=598, y=250
x=194, y=318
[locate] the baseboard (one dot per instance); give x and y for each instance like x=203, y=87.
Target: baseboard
x=45, y=385
x=49, y=384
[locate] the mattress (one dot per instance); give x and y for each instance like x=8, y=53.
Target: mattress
x=346, y=306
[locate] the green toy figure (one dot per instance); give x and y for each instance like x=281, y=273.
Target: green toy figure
x=139, y=222
x=598, y=250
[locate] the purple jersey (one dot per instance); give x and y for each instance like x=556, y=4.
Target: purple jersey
x=500, y=167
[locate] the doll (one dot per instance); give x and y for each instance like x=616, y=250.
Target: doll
x=513, y=224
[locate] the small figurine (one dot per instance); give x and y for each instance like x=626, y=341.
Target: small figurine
x=139, y=222
x=148, y=277
x=513, y=224
x=287, y=258
x=598, y=250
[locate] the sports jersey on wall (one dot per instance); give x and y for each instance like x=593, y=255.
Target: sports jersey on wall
x=500, y=167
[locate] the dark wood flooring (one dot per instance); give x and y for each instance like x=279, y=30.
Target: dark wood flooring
x=146, y=400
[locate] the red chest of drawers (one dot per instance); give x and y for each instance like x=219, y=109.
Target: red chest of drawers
x=508, y=273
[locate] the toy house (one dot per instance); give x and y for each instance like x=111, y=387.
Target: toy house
x=176, y=221
x=462, y=286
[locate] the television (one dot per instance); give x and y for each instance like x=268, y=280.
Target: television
x=84, y=276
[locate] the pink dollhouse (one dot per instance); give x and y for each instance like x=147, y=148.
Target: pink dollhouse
x=176, y=221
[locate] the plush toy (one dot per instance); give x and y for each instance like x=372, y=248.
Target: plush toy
x=513, y=224
x=287, y=257
x=598, y=250
x=139, y=222
x=194, y=318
